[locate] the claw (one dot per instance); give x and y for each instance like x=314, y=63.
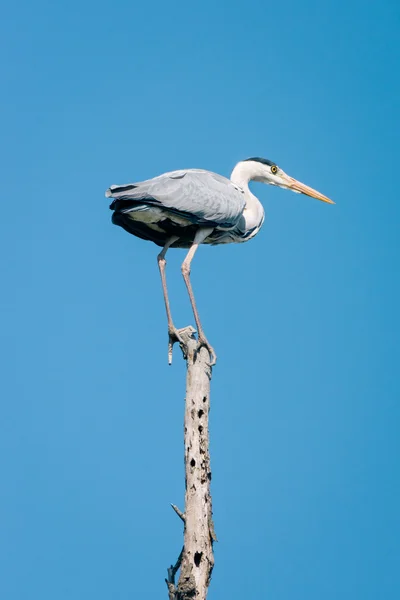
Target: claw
x=203, y=342
x=173, y=337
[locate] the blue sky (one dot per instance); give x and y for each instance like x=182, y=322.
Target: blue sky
x=304, y=318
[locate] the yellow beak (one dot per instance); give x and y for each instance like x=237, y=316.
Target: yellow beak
x=296, y=186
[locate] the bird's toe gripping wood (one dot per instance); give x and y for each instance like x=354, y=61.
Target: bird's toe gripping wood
x=202, y=342
x=181, y=336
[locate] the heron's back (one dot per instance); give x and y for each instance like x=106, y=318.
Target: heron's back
x=177, y=203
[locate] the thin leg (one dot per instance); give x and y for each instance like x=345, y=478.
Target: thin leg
x=202, y=340
x=173, y=334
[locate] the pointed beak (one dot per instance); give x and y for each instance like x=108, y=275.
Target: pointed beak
x=296, y=186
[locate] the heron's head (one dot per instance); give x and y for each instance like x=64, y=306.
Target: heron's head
x=266, y=171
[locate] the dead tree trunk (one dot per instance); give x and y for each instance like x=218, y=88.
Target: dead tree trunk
x=196, y=560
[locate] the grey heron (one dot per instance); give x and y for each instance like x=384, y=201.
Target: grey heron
x=186, y=208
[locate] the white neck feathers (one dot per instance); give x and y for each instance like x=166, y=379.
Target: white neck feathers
x=244, y=172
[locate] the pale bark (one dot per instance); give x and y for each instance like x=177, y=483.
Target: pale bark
x=196, y=560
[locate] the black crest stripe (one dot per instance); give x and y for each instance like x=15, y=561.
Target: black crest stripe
x=264, y=161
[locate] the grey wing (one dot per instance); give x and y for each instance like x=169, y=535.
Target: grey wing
x=202, y=196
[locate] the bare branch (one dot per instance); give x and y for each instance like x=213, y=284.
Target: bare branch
x=172, y=571
x=180, y=514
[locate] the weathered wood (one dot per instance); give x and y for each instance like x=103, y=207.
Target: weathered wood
x=196, y=561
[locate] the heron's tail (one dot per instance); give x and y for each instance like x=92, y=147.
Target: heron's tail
x=130, y=196
x=115, y=191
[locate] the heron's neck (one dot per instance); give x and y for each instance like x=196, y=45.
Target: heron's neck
x=254, y=211
x=242, y=174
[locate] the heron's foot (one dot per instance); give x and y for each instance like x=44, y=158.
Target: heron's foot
x=203, y=342
x=173, y=337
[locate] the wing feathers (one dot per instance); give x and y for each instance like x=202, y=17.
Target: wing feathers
x=204, y=196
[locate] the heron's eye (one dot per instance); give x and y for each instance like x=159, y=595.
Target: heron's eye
x=274, y=169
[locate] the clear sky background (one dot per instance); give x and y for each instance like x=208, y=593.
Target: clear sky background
x=305, y=318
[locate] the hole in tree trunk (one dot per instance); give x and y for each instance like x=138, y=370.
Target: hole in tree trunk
x=197, y=558
x=200, y=413
x=192, y=463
